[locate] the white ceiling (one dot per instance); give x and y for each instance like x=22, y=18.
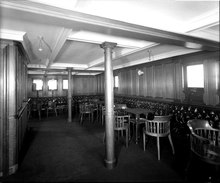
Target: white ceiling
x=72, y=31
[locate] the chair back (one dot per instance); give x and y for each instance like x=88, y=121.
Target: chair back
x=121, y=122
x=159, y=126
x=85, y=108
x=51, y=104
x=35, y=106
x=204, y=141
x=198, y=124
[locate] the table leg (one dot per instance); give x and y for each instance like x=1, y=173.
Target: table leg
x=136, y=133
x=136, y=129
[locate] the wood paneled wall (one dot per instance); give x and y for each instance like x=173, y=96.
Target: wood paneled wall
x=164, y=79
x=80, y=85
x=13, y=96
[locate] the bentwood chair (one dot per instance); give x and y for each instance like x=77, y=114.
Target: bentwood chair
x=51, y=106
x=85, y=109
x=116, y=112
x=122, y=123
x=204, y=143
x=35, y=108
x=158, y=127
x=120, y=109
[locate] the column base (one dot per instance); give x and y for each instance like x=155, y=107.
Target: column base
x=69, y=121
x=110, y=164
x=13, y=169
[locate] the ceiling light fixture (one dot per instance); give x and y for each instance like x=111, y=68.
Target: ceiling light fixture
x=40, y=44
x=43, y=42
x=140, y=72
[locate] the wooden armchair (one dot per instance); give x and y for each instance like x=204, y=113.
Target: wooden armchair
x=51, y=106
x=158, y=127
x=204, y=142
x=85, y=109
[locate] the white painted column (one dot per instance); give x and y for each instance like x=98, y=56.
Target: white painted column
x=110, y=160
x=69, y=95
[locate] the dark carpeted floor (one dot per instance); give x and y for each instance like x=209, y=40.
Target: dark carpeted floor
x=57, y=151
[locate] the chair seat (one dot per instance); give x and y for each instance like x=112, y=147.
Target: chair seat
x=126, y=126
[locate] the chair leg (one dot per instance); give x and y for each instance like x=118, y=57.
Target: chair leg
x=102, y=119
x=81, y=118
x=39, y=114
x=92, y=117
x=158, y=148
x=171, y=143
x=144, y=140
x=127, y=133
x=55, y=111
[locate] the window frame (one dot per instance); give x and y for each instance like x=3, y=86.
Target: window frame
x=49, y=86
x=186, y=73
x=63, y=84
x=35, y=89
x=193, y=95
x=116, y=76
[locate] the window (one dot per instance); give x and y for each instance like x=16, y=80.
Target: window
x=195, y=76
x=65, y=84
x=37, y=84
x=116, y=82
x=52, y=84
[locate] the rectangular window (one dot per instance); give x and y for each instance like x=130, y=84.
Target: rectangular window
x=116, y=83
x=195, y=76
x=37, y=84
x=65, y=84
x=52, y=84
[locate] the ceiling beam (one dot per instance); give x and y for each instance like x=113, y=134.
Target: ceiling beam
x=113, y=27
x=61, y=39
x=61, y=70
x=28, y=48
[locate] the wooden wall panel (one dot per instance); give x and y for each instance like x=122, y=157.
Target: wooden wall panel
x=149, y=81
x=169, y=80
x=158, y=81
x=100, y=83
x=178, y=81
x=3, y=111
x=129, y=82
x=81, y=85
x=164, y=79
x=133, y=82
x=13, y=86
x=124, y=82
x=141, y=85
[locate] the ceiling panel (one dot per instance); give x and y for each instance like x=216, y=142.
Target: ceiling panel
x=74, y=38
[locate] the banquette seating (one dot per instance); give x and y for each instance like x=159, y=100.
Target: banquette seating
x=181, y=112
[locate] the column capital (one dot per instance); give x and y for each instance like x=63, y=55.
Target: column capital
x=69, y=68
x=105, y=45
